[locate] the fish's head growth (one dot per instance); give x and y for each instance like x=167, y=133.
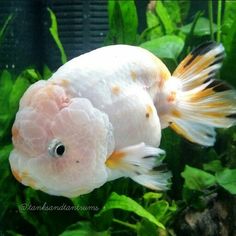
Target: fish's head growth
x=60, y=143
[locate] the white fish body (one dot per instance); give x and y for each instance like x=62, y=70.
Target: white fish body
x=99, y=117
x=121, y=81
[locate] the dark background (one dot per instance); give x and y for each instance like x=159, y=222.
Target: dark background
x=82, y=26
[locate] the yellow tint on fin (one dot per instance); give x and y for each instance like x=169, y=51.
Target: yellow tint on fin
x=115, y=159
x=142, y=163
x=202, y=102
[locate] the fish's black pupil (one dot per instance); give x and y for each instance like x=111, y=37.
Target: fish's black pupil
x=60, y=150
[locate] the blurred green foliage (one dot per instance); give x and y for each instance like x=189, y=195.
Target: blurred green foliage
x=5, y=27
x=122, y=206
x=54, y=32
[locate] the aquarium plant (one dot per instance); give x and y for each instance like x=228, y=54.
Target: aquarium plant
x=202, y=195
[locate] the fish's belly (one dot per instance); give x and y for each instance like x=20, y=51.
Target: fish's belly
x=121, y=81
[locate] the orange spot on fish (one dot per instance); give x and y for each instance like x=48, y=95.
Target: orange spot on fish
x=62, y=82
x=25, y=174
x=161, y=83
x=133, y=75
x=25, y=177
x=176, y=113
x=31, y=183
x=149, y=111
x=114, y=160
x=49, y=90
x=171, y=97
x=17, y=175
x=15, y=132
x=165, y=74
x=65, y=82
x=115, y=89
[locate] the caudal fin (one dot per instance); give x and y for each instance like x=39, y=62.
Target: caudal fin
x=198, y=102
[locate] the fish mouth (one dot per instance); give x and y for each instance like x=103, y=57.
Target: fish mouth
x=19, y=168
x=25, y=178
x=24, y=172
x=21, y=171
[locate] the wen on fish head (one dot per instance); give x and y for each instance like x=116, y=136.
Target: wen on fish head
x=60, y=143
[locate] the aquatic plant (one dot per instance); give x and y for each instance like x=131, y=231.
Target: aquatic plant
x=203, y=178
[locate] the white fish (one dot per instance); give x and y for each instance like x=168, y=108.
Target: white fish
x=99, y=117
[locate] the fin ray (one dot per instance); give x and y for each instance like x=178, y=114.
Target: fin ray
x=140, y=162
x=202, y=102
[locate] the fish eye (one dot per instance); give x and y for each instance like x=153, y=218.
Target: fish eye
x=60, y=149
x=56, y=148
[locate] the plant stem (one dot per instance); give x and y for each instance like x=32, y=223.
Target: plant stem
x=210, y=12
x=189, y=37
x=219, y=20
x=132, y=226
x=5, y=26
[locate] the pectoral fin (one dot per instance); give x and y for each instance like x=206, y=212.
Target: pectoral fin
x=141, y=163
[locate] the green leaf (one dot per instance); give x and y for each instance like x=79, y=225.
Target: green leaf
x=171, y=143
x=127, y=204
x=32, y=217
x=184, y=6
x=123, y=22
x=229, y=42
x=178, y=10
x=190, y=36
x=162, y=210
x=168, y=46
x=19, y=87
x=81, y=201
x=227, y=180
x=5, y=88
x=194, y=198
x=173, y=10
x=47, y=73
x=159, y=209
x=7, y=186
x=22, y=82
x=154, y=29
x=147, y=228
x=6, y=85
x=164, y=17
x=228, y=21
x=229, y=69
x=197, y=179
x=213, y=166
x=151, y=195
x=32, y=75
x=12, y=95
x=4, y=27
x=202, y=27
x=83, y=229
x=54, y=32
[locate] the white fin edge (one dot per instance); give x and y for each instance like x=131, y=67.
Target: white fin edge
x=139, y=162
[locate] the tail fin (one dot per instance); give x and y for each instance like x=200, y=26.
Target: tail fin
x=197, y=101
